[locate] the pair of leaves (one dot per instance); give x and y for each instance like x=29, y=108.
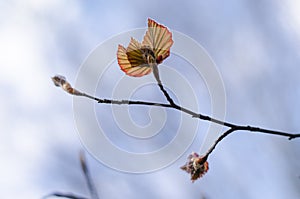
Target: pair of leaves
x=139, y=59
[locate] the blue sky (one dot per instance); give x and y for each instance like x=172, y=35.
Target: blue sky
x=254, y=44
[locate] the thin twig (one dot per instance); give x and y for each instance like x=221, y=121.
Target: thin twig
x=132, y=102
x=160, y=85
x=231, y=130
x=87, y=176
x=246, y=128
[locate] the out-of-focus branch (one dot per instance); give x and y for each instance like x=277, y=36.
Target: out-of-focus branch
x=89, y=181
x=87, y=176
x=64, y=195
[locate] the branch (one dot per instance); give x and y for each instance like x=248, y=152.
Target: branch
x=197, y=115
x=196, y=165
x=177, y=107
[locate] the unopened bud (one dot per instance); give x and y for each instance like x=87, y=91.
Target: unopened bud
x=61, y=81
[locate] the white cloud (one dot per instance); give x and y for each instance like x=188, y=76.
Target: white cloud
x=26, y=90
x=290, y=18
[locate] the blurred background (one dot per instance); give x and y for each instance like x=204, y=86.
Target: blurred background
x=255, y=45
